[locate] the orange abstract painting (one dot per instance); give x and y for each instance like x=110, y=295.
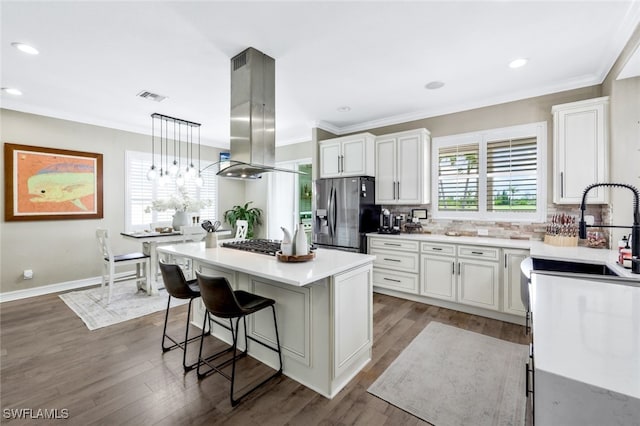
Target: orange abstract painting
x=45, y=183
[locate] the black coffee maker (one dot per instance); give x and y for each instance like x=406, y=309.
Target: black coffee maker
x=389, y=224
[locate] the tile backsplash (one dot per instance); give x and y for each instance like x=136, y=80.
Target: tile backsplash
x=513, y=230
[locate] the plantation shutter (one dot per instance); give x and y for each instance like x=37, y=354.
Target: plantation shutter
x=140, y=192
x=458, y=175
x=512, y=175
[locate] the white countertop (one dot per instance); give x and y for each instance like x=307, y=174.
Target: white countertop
x=325, y=264
x=475, y=241
x=538, y=249
x=587, y=331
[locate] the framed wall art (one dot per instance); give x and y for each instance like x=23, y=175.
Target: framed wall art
x=51, y=184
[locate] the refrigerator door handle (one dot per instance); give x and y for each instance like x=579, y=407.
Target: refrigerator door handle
x=330, y=212
x=335, y=211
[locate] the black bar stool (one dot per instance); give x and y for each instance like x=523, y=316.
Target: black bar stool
x=223, y=302
x=177, y=286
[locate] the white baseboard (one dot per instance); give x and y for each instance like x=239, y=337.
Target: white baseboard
x=52, y=288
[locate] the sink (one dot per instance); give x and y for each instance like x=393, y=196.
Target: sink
x=572, y=267
x=563, y=268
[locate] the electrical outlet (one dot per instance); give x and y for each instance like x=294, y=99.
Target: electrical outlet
x=27, y=274
x=483, y=232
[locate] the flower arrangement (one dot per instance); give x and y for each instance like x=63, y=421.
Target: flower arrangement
x=180, y=202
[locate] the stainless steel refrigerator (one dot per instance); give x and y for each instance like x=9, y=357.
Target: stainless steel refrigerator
x=344, y=210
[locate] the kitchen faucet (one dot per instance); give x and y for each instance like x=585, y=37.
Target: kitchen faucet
x=635, y=228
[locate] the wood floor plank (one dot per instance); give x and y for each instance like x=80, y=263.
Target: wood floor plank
x=119, y=375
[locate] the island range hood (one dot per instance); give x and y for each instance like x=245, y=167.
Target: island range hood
x=253, y=119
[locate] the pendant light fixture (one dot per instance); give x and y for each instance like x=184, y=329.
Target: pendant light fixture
x=167, y=171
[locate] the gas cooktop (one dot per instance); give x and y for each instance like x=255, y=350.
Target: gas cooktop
x=262, y=246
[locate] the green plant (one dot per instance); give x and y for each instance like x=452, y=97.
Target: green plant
x=252, y=215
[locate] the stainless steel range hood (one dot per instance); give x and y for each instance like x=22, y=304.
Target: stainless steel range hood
x=253, y=118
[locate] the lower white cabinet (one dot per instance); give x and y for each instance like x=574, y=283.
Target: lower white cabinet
x=458, y=274
x=397, y=264
x=479, y=283
x=438, y=277
x=512, y=299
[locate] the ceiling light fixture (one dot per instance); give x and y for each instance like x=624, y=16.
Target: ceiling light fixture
x=434, y=85
x=344, y=109
x=25, y=48
x=174, y=171
x=12, y=91
x=517, y=63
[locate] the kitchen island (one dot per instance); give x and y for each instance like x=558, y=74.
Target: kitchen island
x=324, y=309
x=586, y=351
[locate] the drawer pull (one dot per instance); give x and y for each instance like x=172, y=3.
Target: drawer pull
x=477, y=252
x=392, y=244
x=390, y=279
x=392, y=260
x=436, y=248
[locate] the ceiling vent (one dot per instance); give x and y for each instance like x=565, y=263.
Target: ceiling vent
x=151, y=96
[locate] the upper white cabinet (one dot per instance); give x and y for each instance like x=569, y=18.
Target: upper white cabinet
x=403, y=168
x=580, y=150
x=347, y=156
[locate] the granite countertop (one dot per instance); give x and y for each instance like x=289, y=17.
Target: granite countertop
x=326, y=263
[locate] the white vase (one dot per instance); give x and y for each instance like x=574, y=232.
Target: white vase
x=181, y=219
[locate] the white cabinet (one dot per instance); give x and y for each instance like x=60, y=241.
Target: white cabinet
x=438, y=276
x=580, y=150
x=511, y=279
x=402, y=167
x=462, y=274
x=347, y=156
x=397, y=264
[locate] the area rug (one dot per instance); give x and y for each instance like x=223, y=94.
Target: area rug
x=448, y=376
x=126, y=303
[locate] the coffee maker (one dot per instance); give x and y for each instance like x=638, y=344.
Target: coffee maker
x=389, y=224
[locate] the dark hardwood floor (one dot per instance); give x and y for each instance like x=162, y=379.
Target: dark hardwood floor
x=119, y=375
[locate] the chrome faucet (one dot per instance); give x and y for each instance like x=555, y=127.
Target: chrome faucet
x=635, y=228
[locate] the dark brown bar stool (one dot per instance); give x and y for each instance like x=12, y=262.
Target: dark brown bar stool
x=223, y=302
x=177, y=286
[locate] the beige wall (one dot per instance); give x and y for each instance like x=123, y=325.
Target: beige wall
x=624, y=136
x=60, y=251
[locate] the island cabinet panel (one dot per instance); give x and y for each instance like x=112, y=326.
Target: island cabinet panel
x=293, y=312
x=352, y=321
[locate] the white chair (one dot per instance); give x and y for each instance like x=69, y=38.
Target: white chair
x=110, y=261
x=241, y=229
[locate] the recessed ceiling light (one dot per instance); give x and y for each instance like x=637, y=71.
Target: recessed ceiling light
x=434, y=85
x=344, y=109
x=11, y=91
x=517, y=63
x=25, y=48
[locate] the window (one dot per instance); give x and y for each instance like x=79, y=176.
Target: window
x=140, y=192
x=491, y=175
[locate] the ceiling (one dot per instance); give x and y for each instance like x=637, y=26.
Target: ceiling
x=374, y=57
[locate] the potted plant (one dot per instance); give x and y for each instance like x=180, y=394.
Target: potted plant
x=252, y=215
x=182, y=204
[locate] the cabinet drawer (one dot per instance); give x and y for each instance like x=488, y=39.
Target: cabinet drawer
x=400, y=261
x=393, y=280
x=475, y=252
x=393, y=244
x=435, y=248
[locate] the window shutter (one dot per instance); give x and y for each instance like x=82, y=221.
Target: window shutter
x=512, y=175
x=140, y=192
x=458, y=175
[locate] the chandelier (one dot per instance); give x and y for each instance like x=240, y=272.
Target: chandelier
x=175, y=133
